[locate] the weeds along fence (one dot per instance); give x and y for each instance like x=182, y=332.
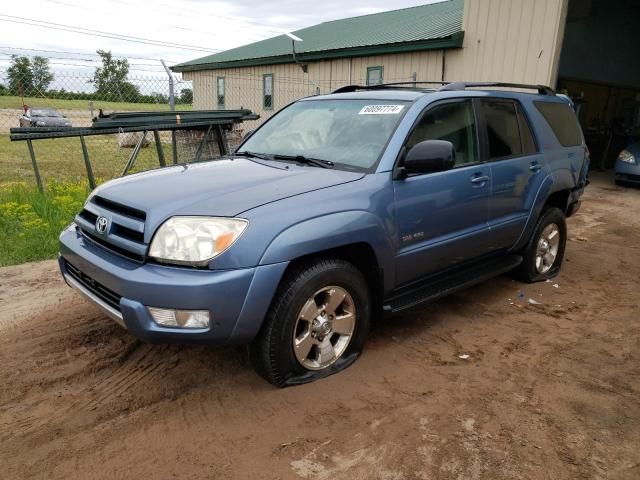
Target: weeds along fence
x=79, y=100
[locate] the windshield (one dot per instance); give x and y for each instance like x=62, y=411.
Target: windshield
x=347, y=132
x=43, y=112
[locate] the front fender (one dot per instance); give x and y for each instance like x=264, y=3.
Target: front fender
x=333, y=231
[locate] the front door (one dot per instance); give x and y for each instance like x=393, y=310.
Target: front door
x=441, y=217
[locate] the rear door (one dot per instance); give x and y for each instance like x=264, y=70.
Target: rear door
x=441, y=217
x=517, y=169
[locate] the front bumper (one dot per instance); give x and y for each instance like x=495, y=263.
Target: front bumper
x=237, y=300
x=627, y=172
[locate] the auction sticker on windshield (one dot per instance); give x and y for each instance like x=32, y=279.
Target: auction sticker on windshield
x=381, y=109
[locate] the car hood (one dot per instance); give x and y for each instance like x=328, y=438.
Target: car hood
x=224, y=187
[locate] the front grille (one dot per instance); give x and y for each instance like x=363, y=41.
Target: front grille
x=89, y=216
x=127, y=233
x=119, y=208
x=111, y=247
x=125, y=229
x=110, y=297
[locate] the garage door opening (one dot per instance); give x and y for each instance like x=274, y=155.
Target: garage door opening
x=600, y=70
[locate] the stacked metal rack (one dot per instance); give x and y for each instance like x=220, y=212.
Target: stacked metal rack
x=213, y=122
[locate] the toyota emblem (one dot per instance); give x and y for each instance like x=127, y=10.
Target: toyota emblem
x=101, y=224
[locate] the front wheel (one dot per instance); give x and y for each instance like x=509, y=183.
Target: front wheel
x=543, y=255
x=316, y=326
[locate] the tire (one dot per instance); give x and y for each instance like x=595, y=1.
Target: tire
x=537, y=265
x=313, y=288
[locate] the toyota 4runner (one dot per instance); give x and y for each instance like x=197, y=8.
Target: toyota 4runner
x=337, y=208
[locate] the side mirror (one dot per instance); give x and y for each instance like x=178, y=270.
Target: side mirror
x=429, y=156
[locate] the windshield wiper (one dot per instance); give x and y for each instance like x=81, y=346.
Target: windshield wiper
x=261, y=156
x=318, y=162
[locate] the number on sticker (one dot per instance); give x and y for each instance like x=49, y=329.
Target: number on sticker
x=381, y=109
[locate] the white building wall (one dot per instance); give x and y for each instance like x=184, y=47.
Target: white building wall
x=514, y=41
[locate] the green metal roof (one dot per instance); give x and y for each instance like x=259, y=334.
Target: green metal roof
x=436, y=25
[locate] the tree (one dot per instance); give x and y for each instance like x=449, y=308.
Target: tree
x=110, y=80
x=41, y=75
x=20, y=76
x=159, y=97
x=186, y=96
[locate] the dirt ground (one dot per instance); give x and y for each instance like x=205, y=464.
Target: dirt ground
x=548, y=391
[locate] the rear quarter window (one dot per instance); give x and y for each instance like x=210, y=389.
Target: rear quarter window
x=562, y=121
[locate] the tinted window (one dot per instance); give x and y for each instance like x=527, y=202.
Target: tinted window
x=528, y=144
x=453, y=122
x=562, y=121
x=503, y=130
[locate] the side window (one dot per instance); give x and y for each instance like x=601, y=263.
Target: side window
x=503, y=131
x=267, y=91
x=563, y=122
x=375, y=75
x=454, y=122
x=528, y=144
x=220, y=91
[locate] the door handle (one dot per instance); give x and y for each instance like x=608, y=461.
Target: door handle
x=480, y=180
x=535, y=167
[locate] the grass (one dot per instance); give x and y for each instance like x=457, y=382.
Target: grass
x=16, y=102
x=61, y=159
x=30, y=221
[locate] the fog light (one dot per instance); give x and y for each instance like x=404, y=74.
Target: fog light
x=180, y=318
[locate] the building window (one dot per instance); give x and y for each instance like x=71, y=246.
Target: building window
x=220, y=92
x=267, y=91
x=374, y=75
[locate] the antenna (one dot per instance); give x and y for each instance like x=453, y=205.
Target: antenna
x=295, y=39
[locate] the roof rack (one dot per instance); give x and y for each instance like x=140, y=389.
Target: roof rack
x=446, y=86
x=353, y=88
x=542, y=89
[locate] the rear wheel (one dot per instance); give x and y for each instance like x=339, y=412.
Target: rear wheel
x=316, y=326
x=543, y=255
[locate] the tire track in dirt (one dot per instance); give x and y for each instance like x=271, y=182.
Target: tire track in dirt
x=548, y=391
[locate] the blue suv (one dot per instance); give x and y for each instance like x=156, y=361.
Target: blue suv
x=338, y=208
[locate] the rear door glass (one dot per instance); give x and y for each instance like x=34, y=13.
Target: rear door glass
x=528, y=143
x=503, y=131
x=562, y=121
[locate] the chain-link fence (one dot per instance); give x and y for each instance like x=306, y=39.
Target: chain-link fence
x=76, y=97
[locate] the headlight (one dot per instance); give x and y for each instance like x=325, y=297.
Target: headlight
x=195, y=240
x=627, y=157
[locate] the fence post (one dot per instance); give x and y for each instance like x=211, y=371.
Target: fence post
x=172, y=99
x=35, y=165
x=87, y=163
x=172, y=107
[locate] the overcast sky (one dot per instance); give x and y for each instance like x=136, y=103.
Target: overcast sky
x=206, y=26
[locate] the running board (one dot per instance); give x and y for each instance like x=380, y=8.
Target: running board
x=449, y=283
